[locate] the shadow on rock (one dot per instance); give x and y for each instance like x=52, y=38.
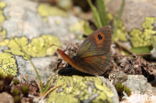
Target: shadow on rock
x=69, y=71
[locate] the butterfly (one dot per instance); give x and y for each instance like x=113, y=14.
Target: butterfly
x=93, y=56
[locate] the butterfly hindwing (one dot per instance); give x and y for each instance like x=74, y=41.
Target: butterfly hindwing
x=94, y=64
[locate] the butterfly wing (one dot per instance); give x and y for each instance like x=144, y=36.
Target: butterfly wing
x=95, y=65
x=94, y=54
x=98, y=43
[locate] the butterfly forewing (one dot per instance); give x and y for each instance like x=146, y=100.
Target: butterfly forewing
x=98, y=43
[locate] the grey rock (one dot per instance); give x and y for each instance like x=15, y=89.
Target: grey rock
x=134, y=12
x=3, y=48
x=23, y=19
x=139, y=84
x=115, y=98
x=42, y=65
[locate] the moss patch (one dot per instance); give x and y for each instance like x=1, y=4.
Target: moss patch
x=121, y=89
x=76, y=89
x=7, y=64
x=37, y=47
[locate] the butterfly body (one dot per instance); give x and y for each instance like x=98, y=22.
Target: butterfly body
x=93, y=55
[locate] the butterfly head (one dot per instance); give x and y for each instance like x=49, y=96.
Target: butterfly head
x=102, y=36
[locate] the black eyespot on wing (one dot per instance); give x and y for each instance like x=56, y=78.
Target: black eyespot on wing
x=100, y=37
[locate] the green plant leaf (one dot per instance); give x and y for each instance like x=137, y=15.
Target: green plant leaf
x=141, y=50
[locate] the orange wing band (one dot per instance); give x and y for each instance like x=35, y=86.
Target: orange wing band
x=67, y=58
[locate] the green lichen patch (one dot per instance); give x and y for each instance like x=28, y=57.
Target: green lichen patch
x=2, y=34
x=76, y=88
x=144, y=37
x=47, y=10
x=79, y=26
x=2, y=6
x=7, y=64
x=37, y=47
x=87, y=28
x=119, y=31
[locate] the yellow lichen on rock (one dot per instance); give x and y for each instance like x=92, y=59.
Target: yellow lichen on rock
x=15, y=45
x=140, y=38
x=2, y=5
x=42, y=46
x=2, y=17
x=119, y=31
x=37, y=47
x=2, y=34
x=47, y=10
x=7, y=64
x=77, y=27
x=79, y=88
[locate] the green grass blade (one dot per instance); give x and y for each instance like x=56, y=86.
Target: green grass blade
x=120, y=11
x=37, y=75
x=48, y=84
x=96, y=16
x=102, y=12
x=35, y=69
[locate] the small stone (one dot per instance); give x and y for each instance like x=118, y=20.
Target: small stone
x=139, y=84
x=6, y=98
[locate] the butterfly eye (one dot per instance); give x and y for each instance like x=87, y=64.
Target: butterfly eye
x=100, y=37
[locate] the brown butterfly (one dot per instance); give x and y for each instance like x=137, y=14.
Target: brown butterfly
x=93, y=55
